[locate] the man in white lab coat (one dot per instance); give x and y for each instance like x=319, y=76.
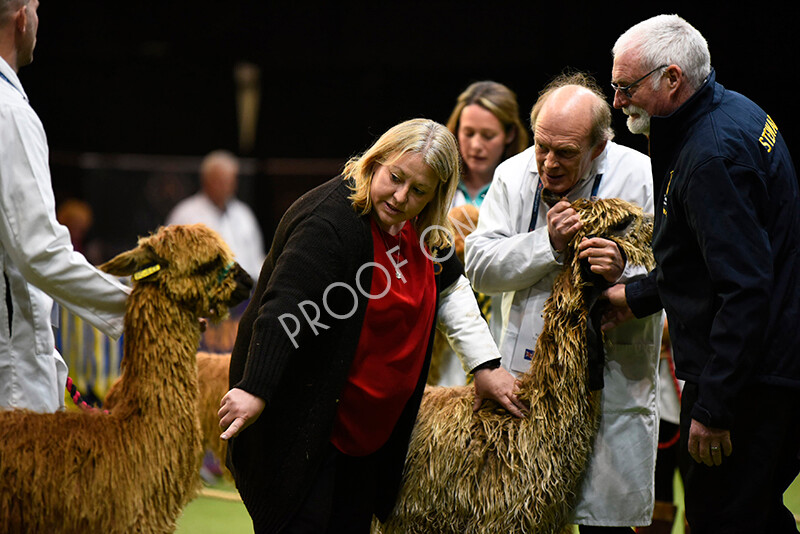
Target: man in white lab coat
x=515, y=251
x=36, y=256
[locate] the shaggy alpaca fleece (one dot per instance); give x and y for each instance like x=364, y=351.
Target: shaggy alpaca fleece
x=212, y=380
x=135, y=468
x=464, y=220
x=212, y=384
x=492, y=473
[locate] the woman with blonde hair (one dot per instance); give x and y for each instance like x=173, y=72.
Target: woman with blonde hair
x=487, y=126
x=331, y=357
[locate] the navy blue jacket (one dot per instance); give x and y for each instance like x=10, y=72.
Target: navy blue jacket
x=727, y=243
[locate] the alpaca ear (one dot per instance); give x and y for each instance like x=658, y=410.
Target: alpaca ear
x=127, y=263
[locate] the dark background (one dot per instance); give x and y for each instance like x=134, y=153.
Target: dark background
x=156, y=78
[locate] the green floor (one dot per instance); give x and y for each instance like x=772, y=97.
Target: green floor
x=211, y=515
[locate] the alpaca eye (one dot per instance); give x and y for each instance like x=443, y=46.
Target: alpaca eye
x=622, y=225
x=208, y=267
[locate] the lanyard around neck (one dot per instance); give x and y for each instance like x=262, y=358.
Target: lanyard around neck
x=12, y=85
x=537, y=199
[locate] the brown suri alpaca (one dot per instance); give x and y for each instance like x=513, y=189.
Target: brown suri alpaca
x=212, y=384
x=490, y=472
x=135, y=468
x=212, y=380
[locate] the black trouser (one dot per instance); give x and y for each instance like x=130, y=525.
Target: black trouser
x=341, y=499
x=745, y=493
x=666, y=461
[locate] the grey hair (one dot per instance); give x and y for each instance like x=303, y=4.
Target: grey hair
x=668, y=39
x=218, y=157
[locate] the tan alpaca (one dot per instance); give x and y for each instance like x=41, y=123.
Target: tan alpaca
x=212, y=384
x=134, y=469
x=492, y=473
x=212, y=380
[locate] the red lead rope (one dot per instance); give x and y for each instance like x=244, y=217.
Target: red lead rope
x=76, y=398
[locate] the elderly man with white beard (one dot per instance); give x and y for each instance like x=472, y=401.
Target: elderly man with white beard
x=727, y=245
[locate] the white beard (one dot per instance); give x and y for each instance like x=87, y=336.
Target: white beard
x=640, y=124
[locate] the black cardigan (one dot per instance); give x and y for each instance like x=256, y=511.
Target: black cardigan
x=320, y=241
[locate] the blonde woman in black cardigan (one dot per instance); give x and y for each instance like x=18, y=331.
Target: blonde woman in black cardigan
x=332, y=354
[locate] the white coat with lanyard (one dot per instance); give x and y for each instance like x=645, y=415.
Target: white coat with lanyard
x=510, y=253
x=38, y=262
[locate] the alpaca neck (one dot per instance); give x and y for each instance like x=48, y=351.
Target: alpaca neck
x=554, y=366
x=159, y=375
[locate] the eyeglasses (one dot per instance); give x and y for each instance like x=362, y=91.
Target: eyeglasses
x=626, y=90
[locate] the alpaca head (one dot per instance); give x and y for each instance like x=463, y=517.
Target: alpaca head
x=571, y=329
x=621, y=222
x=191, y=265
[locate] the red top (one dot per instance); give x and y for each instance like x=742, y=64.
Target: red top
x=392, y=347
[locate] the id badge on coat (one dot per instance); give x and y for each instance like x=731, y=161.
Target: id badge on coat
x=528, y=316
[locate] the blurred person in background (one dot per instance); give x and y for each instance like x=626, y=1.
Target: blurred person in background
x=488, y=129
x=216, y=206
x=77, y=216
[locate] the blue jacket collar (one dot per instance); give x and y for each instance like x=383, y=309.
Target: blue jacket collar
x=668, y=132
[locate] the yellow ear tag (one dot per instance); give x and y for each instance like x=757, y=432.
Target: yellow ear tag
x=144, y=273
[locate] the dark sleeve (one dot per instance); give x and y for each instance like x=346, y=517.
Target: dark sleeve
x=642, y=295
x=292, y=307
x=491, y=364
x=448, y=270
x=725, y=206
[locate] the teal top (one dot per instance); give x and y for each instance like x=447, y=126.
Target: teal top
x=477, y=201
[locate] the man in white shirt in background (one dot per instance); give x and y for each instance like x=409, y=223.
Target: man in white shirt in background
x=216, y=206
x=36, y=255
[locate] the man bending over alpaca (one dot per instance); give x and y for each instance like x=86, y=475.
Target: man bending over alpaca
x=526, y=222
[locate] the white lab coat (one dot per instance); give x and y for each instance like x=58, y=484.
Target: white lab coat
x=37, y=260
x=453, y=369
x=502, y=256
x=460, y=320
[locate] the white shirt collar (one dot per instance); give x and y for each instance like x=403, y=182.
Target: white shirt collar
x=12, y=77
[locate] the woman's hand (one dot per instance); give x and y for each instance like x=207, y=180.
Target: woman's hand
x=238, y=410
x=500, y=386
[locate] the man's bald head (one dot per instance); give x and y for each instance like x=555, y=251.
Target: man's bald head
x=19, y=23
x=579, y=91
x=571, y=124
